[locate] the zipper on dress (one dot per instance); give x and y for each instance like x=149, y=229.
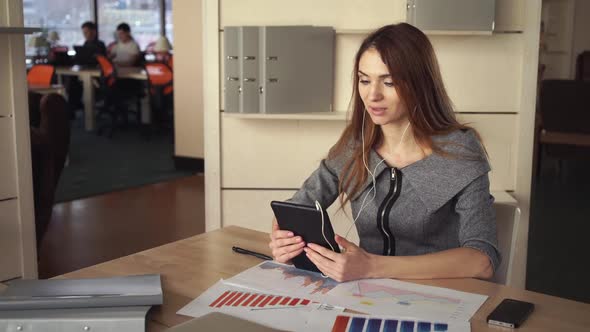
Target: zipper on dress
x=385, y=209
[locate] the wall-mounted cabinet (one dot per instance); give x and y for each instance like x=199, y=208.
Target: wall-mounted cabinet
x=278, y=69
x=452, y=16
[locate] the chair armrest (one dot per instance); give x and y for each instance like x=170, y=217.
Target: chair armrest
x=555, y=137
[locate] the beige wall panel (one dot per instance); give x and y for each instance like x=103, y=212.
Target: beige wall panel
x=8, y=178
x=282, y=153
x=188, y=79
x=340, y=14
x=346, y=48
x=481, y=73
x=10, y=259
x=5, y=92
x=273, y=153
x=509, y=15
x=498, y=132
x=251, y=209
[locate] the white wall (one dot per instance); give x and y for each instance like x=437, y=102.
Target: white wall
x=188, y=78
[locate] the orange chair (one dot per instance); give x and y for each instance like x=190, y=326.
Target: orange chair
x=116, y=93
x=40, y=75
x=170, y=62
x=161, y=88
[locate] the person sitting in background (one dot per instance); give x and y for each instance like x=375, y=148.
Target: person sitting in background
x=92, y=46
x=126, y=52
x=92, y=43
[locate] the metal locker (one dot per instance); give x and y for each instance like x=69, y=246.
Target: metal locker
x=232, y=70
x=249, y=59
x=452, y=15
x=297, y=69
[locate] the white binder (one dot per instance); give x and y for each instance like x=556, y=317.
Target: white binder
x=104, y=304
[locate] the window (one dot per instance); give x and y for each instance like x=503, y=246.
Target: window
x=168, y=20
x=63, y=16
x=143, y=16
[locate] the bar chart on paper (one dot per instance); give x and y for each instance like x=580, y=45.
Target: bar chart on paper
x=284, y=312
x=358, y=324
x=255, y=300
x=342, y=322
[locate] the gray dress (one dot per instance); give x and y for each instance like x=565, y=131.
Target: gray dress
x=444, y=201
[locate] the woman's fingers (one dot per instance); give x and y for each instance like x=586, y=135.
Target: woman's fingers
x=287, y=252
x=279, y=234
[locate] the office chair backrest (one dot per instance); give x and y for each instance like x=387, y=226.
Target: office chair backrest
x=170, y=62
x=507, y=220
x=40, y=75
x=107, y=70
x=565, y=106
x=160, y=78
x=583, y=66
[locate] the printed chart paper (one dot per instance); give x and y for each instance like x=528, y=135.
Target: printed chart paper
x=276, y=278
x=340, y=322
x=394, y=297
x=276, y=311
x=371, y=296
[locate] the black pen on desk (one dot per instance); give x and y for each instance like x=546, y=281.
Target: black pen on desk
x=252, y=253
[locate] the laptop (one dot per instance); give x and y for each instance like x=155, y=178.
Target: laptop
x=85, y=56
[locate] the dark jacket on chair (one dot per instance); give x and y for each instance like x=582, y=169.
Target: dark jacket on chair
x=50, y=141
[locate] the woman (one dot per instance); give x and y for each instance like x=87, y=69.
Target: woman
x=417, y=179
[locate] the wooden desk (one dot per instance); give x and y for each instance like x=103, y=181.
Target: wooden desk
x=188, y=267
x=47, y=89
x=86, y=75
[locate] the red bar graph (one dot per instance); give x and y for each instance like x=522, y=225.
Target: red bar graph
x=226, y=299
x=243, y=299
x=249, y=300
x=340, y=324
x=214, y=303
x=258, y=299
x=275, y=300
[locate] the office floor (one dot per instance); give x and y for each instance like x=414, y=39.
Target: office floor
x=89, y=231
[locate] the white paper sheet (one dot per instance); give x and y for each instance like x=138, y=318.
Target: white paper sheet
x=371, y=296
x=394, y=297
x=276, y=311
x=342, y=322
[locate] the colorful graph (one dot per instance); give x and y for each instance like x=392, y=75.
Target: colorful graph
x=360, y=323
x=403, y=296
x=255, y=300
x=314, y=280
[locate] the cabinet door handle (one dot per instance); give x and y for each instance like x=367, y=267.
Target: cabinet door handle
x=229, y=78
x=232, y=57
x=249, y=57
x=249, y=79
x=272, y=58
x=273, y=80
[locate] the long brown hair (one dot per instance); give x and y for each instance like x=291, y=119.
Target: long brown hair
x=411, y=61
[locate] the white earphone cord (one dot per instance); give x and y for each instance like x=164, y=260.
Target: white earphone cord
x=374, y=188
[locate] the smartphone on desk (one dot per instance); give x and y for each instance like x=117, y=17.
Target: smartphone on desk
x=510, y=313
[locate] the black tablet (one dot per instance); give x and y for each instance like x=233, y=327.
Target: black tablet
x=305, y=221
